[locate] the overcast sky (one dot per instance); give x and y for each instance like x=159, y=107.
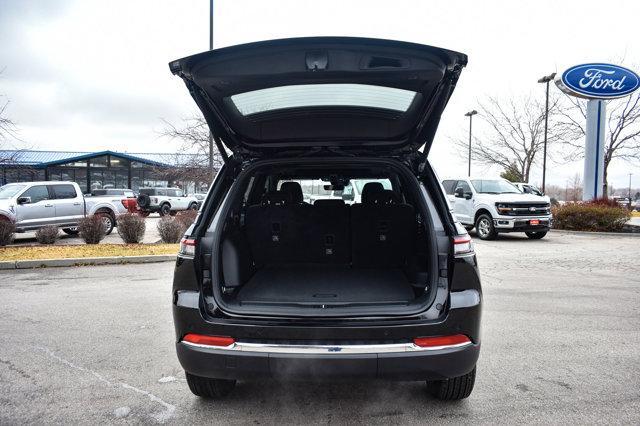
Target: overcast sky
x=92, y=75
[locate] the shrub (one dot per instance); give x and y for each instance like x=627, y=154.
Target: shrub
x=131, y=228
x=170, y=229
x=91, y=229
x=7, y=229
x=596, y=216
x=47, y=234
x=604, y=201
x=186, y=218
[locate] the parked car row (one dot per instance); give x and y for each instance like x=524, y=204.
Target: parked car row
x=33, y=205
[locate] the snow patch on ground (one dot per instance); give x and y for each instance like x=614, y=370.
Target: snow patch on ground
x=167, y=379
x=121, y=412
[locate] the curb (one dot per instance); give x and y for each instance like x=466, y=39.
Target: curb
x=85, y=261
x=607, y=234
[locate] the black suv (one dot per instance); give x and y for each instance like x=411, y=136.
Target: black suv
x=268, y=284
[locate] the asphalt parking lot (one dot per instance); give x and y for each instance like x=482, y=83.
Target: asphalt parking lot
x=561, y=343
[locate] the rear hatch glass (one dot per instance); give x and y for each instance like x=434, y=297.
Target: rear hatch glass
x=347, y=93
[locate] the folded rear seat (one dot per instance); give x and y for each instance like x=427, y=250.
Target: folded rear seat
x=382, y=229
x=271, y=229
x=329, y=236
x=284, y=229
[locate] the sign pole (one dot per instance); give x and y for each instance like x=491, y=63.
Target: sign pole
x=593, y=184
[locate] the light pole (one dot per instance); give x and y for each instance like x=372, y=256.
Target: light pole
x=470, y=114
x=213, y=172
x=546, y=79
x=630, y=174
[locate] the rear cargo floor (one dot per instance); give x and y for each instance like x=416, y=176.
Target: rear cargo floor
x=330, y=284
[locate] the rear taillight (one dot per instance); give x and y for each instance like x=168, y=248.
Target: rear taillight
x=462, y=244
x=187, y=247
x=201, y=339
x=442, y=341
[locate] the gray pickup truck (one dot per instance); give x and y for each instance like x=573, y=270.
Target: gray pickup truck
x=32, y=205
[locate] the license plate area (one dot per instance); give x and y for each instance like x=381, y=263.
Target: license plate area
x=534, y=222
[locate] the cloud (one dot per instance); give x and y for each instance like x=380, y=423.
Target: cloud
x=92, y=74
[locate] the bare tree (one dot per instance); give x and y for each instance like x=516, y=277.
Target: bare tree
x=185, y=168
x=574, y=188
x=622, y=134
x=555, y=192
x=515, y=136
x=7, y=126
x=8, y=129
x=193, y=134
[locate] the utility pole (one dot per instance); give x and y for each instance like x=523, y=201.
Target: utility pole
x=470, y=114
x=546, y=79
x=213, y=172
x=630, y=174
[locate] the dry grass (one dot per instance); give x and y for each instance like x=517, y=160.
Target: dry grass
x=89, y=250
x=635, y=214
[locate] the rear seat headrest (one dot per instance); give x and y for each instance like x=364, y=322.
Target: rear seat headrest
x=294, y=190
x=386, y=197
x=370, y=190
x=328, y=203
x=276, y=198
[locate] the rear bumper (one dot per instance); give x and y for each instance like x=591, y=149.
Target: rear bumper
x=277, y=349
x=413, y=365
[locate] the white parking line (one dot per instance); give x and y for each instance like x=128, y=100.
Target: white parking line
x=161, y=417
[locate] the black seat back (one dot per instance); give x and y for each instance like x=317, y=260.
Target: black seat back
x=270, y=228
x=382, y=229
x=328, y=232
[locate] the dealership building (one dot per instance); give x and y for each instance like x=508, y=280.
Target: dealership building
x=106, y=169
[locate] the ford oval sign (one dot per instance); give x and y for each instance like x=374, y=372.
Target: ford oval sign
x=598, y=81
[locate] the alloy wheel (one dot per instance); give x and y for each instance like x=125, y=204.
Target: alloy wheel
x=484, y=227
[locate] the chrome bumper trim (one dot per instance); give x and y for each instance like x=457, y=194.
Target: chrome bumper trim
x=325, y=349
x=512, y=220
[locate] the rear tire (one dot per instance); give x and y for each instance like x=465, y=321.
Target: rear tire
x=70, y=231
x=165, y=209
x=536, y=235
x=453, y=389
x=193, y=206
x=484, y=227
x=205, y=387
x=108, y=221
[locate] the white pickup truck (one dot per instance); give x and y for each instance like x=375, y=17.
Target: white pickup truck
x=495, y=205
x=32, y=205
